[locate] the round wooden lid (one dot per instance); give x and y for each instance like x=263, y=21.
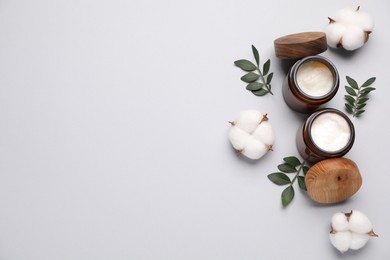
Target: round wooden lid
x=299, y=45
x=333, y=180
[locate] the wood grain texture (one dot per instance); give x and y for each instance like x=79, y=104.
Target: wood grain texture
x=299, y=45
x=333, y=180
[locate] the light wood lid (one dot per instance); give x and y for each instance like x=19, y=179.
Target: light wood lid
x=333, y=180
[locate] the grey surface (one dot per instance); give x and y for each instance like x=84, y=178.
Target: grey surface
x=113, y=131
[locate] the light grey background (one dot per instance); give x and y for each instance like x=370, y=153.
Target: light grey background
x=113, y=131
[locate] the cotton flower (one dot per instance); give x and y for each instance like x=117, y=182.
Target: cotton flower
x=340, y=222
x=359, y=222
x=341, y=240
x=251, y=134
x=350, y=230
x=349, y=28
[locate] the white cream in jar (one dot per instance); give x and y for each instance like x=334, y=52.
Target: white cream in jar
x=315, y=78
x=330, y=132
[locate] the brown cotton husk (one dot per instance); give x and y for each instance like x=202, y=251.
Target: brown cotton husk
x=372, y=234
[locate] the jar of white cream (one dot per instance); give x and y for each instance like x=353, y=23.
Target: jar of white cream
x=310, y=83
x=327, y=133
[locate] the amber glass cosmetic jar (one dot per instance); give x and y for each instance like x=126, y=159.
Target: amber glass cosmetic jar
x=310, y=83
x=326, y=133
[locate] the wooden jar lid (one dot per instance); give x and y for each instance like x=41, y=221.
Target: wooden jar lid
x=333, y=180
x=299, y=45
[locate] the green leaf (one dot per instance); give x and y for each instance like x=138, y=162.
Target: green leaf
x=362, y=100
x=250, y=77
x=266, y=67
x=358, y=113
x=348, y=108
x=363, y=94
x=359, y=107
x=256, y=54
x=353, y=105
x=279, y=178
x=368, y=82
x=292, y=161
x=350, y=100
x=305, y=169
x=286, y=168
x=367, y=90
x=254, y=86
x=255, y=79
x=350, y=91
x=245, y=65
x=260, y=92
x=352, y=83
x=287, y=195
x=301, y=183
x=269, y=78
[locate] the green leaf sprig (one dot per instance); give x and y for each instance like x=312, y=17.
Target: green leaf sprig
x=357, y=98
x=258, y=83
x=291, y=164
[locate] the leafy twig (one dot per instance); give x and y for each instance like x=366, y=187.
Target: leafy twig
x=357, y=98
x=291, y=165
x=258, y=88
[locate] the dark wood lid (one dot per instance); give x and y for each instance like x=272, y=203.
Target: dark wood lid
x=299, y=45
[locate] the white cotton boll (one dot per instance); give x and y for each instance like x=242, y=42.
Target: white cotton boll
x=346, y=16
x=349, y=28
x=251, y=134
x=334, y=32
x=365, y=21
x=340, y=222
x=238, y=138
x=353, y=38
x=341, y=240
x=265, y=133
x=358, y=240
x=255, y=149
x=356, y=232
x=359, y=222
x=248, y=120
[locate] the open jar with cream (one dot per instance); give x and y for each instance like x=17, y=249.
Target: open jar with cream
x=310, y=83
x=326, y=133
